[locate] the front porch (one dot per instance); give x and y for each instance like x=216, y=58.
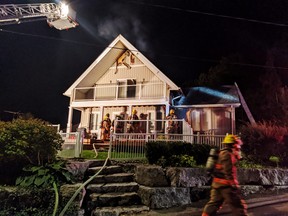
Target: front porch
x=132, y=145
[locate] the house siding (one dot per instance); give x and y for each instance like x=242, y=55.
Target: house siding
x=209, y=120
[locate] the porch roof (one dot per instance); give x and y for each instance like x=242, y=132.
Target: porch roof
x=208, y=97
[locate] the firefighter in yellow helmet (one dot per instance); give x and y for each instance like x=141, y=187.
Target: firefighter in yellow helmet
x=133, y=126
x=225, y=187
x=105, y=127
x=172, y=127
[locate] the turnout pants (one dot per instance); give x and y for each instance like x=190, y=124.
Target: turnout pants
x=230, y=196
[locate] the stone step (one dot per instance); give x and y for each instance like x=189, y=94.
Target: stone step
x=120, y=210
x=113, y=199
x=98, y=163
x=113, y=178
x=113, y=187
x=106, y=171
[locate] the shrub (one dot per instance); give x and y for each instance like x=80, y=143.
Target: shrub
x=182, y=161
x=264, y=140
x=171, y=153
x=26, y=142
x=45, y=176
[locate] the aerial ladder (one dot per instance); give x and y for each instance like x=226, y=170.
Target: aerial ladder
x=57, y=15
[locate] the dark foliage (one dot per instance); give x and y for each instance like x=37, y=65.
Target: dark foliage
x=166, y=151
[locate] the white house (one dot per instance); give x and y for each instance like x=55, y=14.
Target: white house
x=120, y=77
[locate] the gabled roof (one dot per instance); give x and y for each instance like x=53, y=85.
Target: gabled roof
x=106, y=60
x=209, y=97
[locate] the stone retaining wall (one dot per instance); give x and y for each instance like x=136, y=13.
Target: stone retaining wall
x=169, y=187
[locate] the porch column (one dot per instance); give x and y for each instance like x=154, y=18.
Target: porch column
x=101, y=118
x=233, y=126
x=165, y=90
x=69, y=123
x=167, y=109
x=130, y=110
x=101, y=112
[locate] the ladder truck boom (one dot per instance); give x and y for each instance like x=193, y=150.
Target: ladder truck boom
x=55, y=14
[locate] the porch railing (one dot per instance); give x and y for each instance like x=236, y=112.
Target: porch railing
x=132, y=146
x=120, y=92
x=124, y=145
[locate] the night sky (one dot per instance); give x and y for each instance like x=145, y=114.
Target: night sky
x=183, y=38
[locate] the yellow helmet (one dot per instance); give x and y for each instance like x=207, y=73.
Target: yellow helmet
x=134, y=112
x=229, y=139
x=172, y=111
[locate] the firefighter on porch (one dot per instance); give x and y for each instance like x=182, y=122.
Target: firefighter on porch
x=172, y=122
x=105, y=127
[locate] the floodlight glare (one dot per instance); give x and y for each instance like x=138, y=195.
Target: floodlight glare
x=64, y=10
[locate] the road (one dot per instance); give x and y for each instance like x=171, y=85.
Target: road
x=276, y=209
x=273, y=205
x=280, y=209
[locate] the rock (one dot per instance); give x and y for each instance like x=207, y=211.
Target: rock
x=199, y=193
x=274, y=177
x=164, y=197
x=77, y=169
x=250, y=189
x=152, y=176
x=262, y=177
x=187, y=177
x=68, y=190
x=249, y=176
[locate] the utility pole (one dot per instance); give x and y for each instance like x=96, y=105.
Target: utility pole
x=245, y=106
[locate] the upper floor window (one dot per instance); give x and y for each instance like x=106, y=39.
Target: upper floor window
x=126, y=88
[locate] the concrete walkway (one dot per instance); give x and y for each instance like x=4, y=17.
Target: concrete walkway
x=257, y=201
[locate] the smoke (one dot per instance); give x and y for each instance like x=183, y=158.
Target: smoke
x=127, y=22
x=105, y=20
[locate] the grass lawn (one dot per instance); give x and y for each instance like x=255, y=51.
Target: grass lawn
x=86, y=154
x=90, y=154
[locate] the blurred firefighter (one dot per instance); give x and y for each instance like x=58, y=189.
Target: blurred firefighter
x=118, y=124
x=133, y=123
x=225, y=187
x=105, y=127
x=143, y=123
x=172, y=122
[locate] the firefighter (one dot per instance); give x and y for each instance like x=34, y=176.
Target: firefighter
x=133, y=126
x=172, y=124
x=118, y=124
x=105, y=127
x=225, y=187
x=143, y=123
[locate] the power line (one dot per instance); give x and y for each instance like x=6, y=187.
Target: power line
x=164, y=55
x=208, y=13
x=46, y=37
